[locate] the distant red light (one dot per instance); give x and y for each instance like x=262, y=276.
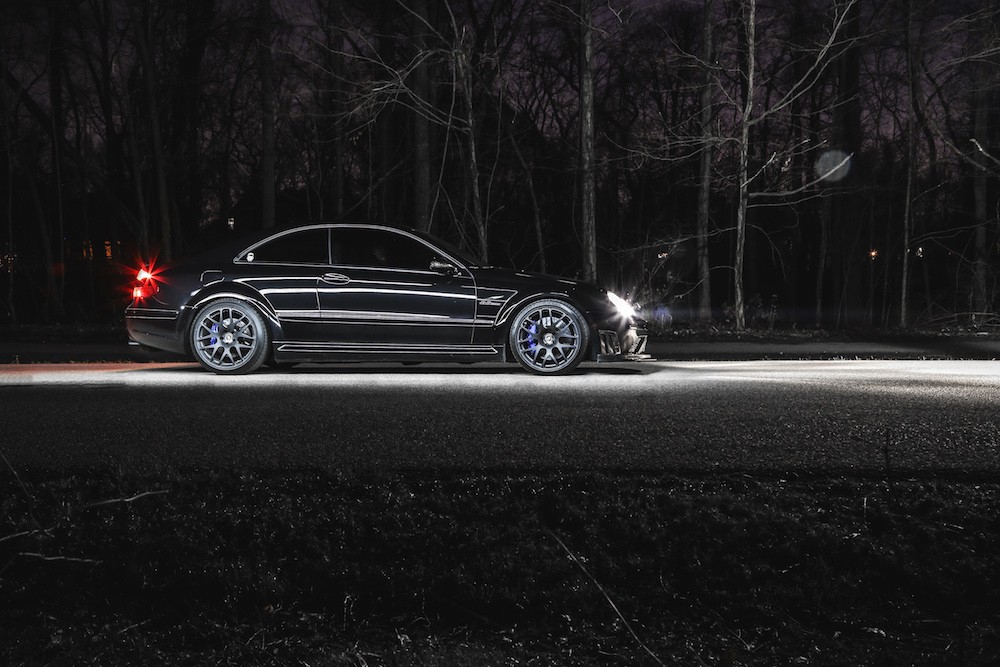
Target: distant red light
x=143, y=275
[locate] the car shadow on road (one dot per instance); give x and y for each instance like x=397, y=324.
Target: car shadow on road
x=429, y=368
x=452, y=369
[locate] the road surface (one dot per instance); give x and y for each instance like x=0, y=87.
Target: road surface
x=778, y=417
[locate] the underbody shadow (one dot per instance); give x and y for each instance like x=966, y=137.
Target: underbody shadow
x=451, y=369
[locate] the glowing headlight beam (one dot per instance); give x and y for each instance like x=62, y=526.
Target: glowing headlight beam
x=624, y=308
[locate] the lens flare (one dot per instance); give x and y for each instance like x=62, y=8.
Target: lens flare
x=624, y=308
x=145, y=283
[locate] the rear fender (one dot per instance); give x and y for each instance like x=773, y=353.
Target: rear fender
x=230, y=291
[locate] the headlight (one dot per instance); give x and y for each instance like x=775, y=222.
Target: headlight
x=624, y=308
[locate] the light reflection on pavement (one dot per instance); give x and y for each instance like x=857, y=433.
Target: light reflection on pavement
x=776, y=417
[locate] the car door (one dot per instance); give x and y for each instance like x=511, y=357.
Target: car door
x=285, y=269
x=382, y=291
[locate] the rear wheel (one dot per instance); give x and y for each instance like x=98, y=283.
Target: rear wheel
x=228, y=336
x=548, y=337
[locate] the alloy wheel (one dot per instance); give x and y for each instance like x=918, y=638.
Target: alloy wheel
x=229, y=337
x=548, y=337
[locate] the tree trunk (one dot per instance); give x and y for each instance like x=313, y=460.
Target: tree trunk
x=57, y=57
x=155, y=138
x=335, y=50
x=421, y=124
x=980, y=301
x=143, y=239
x=588, y=212
x=904, y=272
x=535, y=210
x=10, y=258
x=824, y=245
x=48, y=308
x=705, y=177
x=750, y=20
x=114, y=154
x=267, y=158
x=911, y=166
x=472, y=160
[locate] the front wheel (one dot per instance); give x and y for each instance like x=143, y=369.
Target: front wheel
x=548, y=337
x=228, y=336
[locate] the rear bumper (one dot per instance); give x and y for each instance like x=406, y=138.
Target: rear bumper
x=155, y=328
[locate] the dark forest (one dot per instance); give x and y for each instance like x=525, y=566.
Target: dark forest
x=746, y=163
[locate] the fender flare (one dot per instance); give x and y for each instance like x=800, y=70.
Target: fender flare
x=516, y=303
x=222, y=290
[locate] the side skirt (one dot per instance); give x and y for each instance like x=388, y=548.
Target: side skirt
x=298, y=352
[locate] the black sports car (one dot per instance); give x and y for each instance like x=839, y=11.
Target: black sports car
x=339, y=292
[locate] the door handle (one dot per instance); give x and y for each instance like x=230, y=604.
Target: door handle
x=335, y=278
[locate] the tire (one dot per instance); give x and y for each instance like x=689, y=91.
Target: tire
x=229, y=337
x=548, y=337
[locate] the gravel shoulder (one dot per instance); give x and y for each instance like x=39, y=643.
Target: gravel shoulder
x=242, y=568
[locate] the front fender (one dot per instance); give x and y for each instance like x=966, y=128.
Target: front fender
x=519, y=301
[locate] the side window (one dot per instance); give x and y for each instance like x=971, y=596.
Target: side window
x=308, y=246
x=380, y=249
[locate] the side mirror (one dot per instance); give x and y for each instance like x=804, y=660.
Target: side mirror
x=444, y=267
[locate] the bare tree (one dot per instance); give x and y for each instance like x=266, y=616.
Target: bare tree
x=961, y=124
x=9, y=256
x=140, y=28
x=267, y=148
x=705, y=170
x=743, y=170
x=911, y=162
x=421, y=124
x=464, y=77
x=826, y=52
x=588, y=214
x=57, y=68
x=984, y=78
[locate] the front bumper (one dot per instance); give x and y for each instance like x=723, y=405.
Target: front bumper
x=626, y=345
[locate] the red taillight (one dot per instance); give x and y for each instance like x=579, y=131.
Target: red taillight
x=144, y=285
x=145, y=290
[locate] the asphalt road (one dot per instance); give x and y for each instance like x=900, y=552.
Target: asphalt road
x=854, y=416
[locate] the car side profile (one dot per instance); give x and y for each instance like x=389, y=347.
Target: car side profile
x=350, y=292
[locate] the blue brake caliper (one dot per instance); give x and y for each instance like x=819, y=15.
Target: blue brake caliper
x=532, y=340
x=215, y=329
